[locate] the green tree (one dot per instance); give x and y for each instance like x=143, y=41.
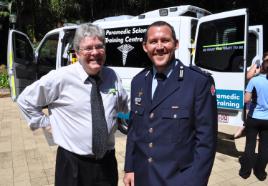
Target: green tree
x=39, y=16
x=65, y=9
x=4, y=9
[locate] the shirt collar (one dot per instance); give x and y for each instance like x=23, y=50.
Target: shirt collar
x=168, y=70
x=82, y=73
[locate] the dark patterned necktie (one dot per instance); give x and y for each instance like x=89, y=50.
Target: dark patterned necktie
x=160, y=77
x=99, y=124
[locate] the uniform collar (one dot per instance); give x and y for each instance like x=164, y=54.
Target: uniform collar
x=168, y=70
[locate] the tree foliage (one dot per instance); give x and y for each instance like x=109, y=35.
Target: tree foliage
x=39, y=16
x=3, y=9
x=64, y=9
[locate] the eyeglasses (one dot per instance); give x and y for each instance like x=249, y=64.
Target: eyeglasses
x=90, y=49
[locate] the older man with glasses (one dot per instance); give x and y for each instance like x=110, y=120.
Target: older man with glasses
x=82, y=112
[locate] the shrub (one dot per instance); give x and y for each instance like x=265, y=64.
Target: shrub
x=3, y=77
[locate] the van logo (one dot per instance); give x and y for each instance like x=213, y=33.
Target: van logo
x=125, y=49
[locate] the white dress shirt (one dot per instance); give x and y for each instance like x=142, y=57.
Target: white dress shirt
x=67, y=94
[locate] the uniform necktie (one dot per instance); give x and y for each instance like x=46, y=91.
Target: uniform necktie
x=99, y=124
x=160, y=77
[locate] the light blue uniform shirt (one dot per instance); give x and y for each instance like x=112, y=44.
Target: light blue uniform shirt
x=167, y=72
x=259, y=110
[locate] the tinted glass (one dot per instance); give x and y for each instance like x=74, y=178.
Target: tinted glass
x=48, y=51
x=47, y=55
x=23, y=51
x=220, y=45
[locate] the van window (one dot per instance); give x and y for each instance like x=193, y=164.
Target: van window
x=68, y=53
x=23, y=51
x=47, y=55
x=222, y=40
x=124, y=47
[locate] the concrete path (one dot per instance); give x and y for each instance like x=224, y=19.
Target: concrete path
x=28, y=158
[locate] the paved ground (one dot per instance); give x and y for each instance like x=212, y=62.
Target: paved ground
x=27, y=158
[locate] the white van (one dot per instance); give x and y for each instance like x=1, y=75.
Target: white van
x=222, y=44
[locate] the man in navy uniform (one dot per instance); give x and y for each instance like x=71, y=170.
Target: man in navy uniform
x=173, y=121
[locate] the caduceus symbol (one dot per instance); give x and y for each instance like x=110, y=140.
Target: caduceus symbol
x=125, y=49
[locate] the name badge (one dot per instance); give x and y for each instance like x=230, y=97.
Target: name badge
x=137, y=101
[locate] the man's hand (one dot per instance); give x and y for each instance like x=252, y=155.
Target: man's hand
x=129, y=179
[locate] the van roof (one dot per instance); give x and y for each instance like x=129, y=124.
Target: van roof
x=175, y=11
x=184, y=10
x=69, y=27
x=114, y=18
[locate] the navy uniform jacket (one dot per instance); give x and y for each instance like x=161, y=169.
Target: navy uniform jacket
x=172, y=140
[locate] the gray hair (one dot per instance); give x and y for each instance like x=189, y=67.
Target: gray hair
x=87, y=30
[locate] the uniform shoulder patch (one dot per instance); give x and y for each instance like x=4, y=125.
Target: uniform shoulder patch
x=212, y=90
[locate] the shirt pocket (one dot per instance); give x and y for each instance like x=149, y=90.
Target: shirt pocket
x=109, y=101
x=176, y=120
x=137, y=118
x=138, y=111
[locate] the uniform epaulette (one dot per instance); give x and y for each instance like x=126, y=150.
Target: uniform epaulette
x=203, y=72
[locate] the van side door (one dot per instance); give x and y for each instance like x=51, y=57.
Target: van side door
x=20, y=62
x=221, y=49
